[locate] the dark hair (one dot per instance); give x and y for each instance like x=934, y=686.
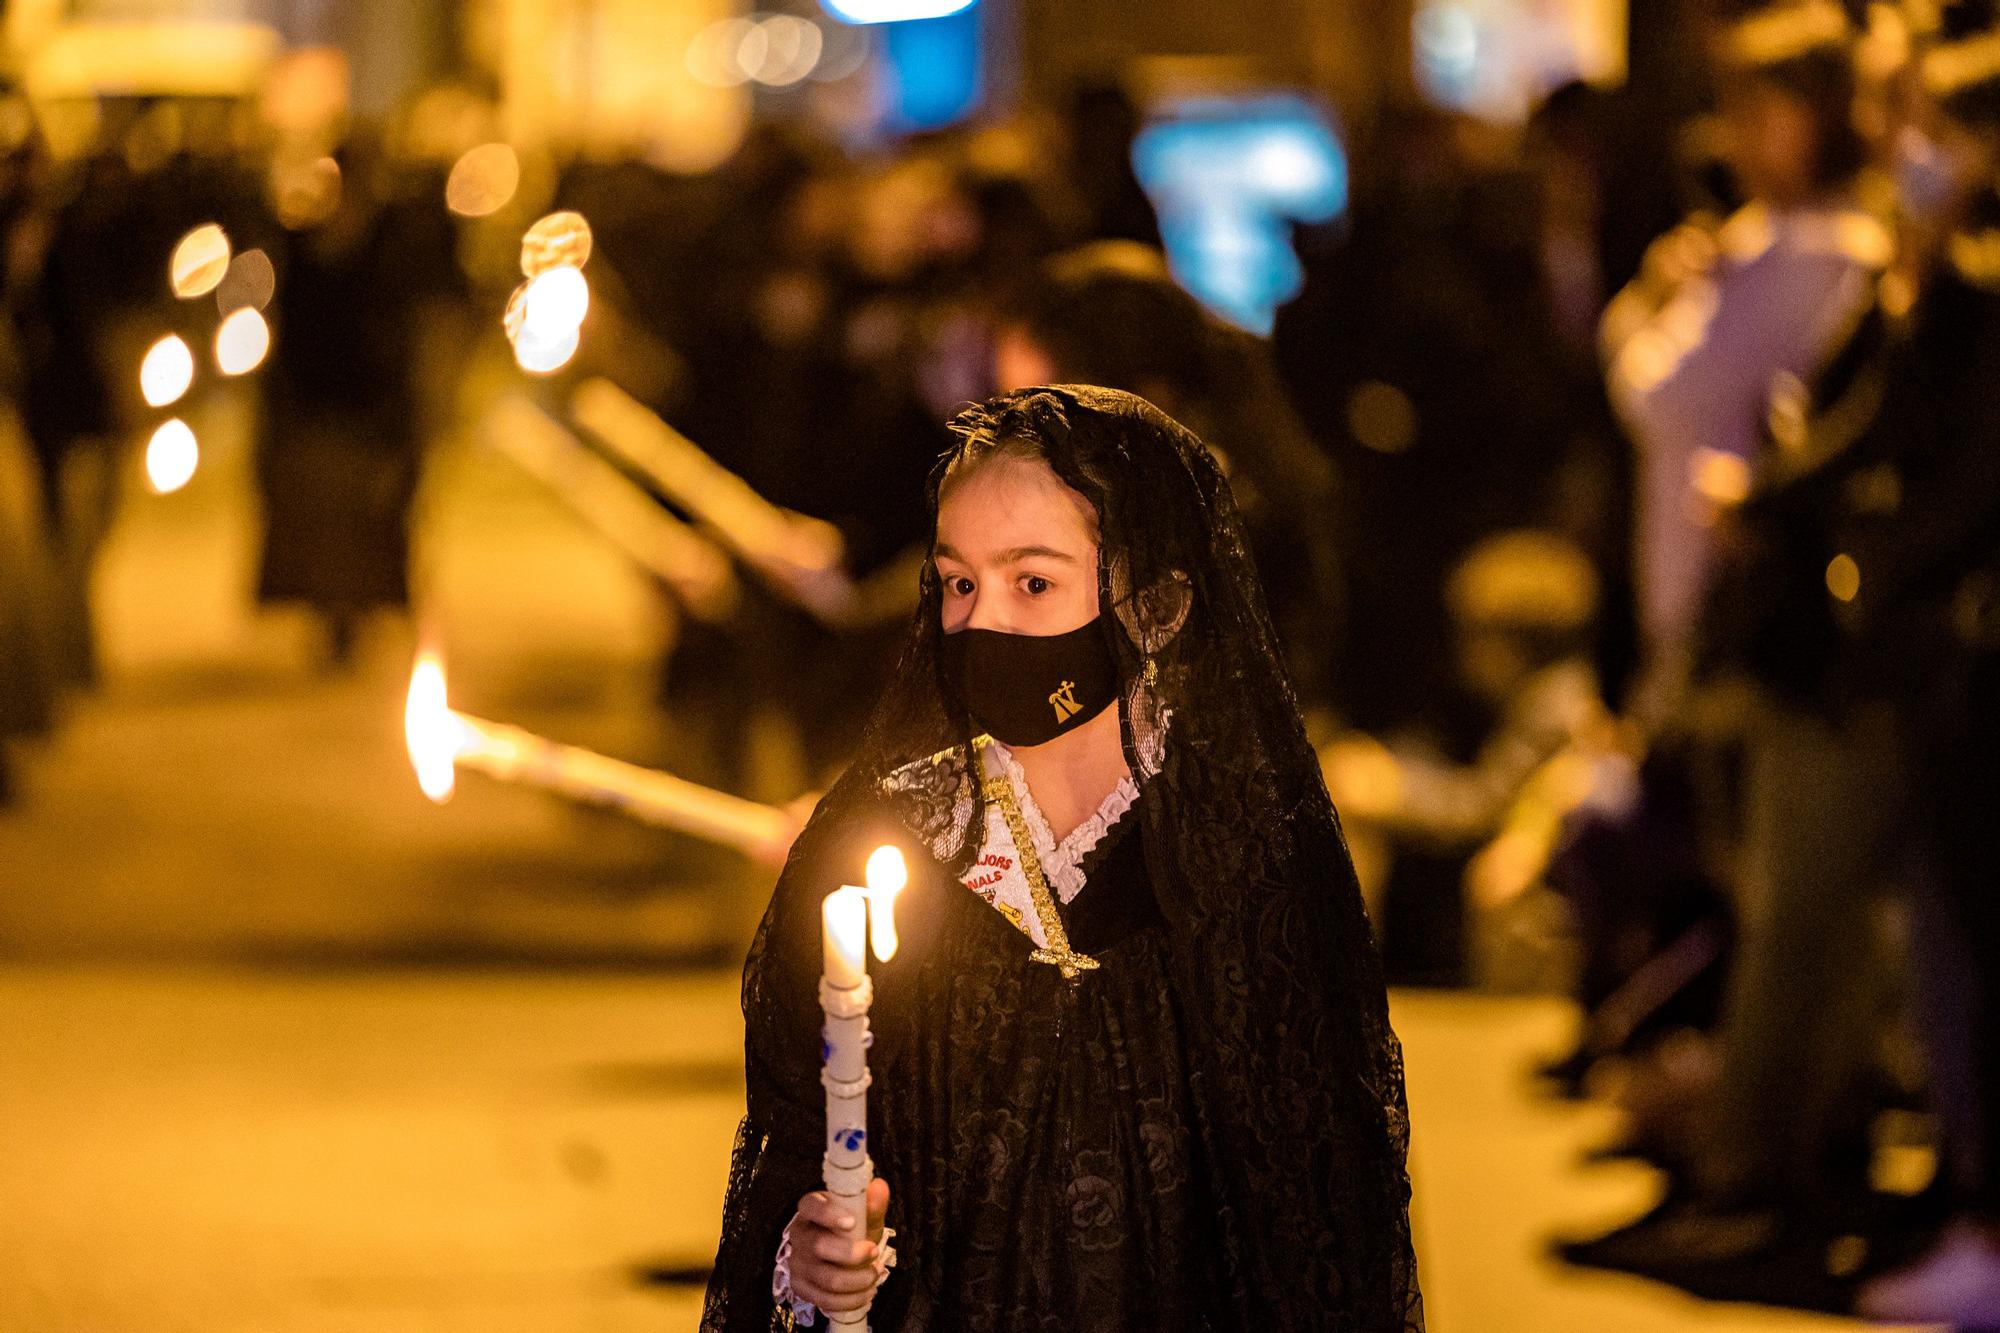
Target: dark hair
x=1823, y=80
x=1023, y=429
x=1111, y=313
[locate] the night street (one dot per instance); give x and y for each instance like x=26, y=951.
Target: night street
x=284, y=1048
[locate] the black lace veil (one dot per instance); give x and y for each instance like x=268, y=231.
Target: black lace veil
x=1297, y=1078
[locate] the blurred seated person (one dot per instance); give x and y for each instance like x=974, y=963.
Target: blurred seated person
x=1523, y=605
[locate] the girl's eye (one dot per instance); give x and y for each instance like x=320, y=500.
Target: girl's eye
x=1035, y=584
x=959, y=584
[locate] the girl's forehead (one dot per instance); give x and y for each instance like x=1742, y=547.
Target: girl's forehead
x=1014, y=502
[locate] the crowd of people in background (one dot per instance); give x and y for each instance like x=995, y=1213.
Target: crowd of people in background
x=1627, y=489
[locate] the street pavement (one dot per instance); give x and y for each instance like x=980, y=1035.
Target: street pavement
x=286, y=1049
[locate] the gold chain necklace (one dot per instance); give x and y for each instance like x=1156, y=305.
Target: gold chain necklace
x=1058, y=954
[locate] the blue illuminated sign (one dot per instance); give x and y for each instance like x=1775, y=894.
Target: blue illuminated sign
x=1228, y=176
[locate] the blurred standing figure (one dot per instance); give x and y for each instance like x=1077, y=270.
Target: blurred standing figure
x=1710, y=352
x=1722, y=310
x=1925, y=601
x=1100, y=123
x=341, y=430
x=78, y=271
x=27, y=656
x=1421, y=355
x=1111, y=314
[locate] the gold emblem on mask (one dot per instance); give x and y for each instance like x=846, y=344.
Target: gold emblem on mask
x=1064, y=702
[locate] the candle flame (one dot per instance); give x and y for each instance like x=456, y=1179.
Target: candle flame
x=172, y=455
x=886, y=877
x=241, y=342
x=166, y=371
x=200, y=260
x=430, y=729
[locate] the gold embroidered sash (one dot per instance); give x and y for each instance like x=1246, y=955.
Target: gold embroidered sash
x=1000, y=790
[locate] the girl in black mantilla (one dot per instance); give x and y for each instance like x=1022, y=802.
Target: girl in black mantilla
x=1133, y=1065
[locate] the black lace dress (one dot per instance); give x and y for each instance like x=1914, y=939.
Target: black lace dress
x=1057, y=1141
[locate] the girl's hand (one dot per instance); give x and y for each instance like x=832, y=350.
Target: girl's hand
x=832, y=1266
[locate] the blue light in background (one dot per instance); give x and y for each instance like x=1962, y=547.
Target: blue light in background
x=891, y=11
x=1447, y=48
x=932, y=68
x=1228, y=177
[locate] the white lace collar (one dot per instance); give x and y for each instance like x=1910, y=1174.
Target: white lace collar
x=1062, y=862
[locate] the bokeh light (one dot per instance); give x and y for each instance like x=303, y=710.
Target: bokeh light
x=166, y=372
x=554, y=241
x=306, y=194
x=554, y=303
x=775, y=50
x=545, y=356
x=714, y=56
x=1381, y=417
x=241, y=342
x=781, y=50
x=250, y=281
x=483, y=180
x=172, y=456
x=1843, y=577
x=200, y=260
x=1720, y=477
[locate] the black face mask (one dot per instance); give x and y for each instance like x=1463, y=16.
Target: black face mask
x=1026, y=689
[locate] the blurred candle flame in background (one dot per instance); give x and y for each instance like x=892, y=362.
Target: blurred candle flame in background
x=483, y=180
x=544, y=317
x=241, y=342
x=250, y=281
x=171, y=456
x=166, y=372
x=200, y=261
x=430, y=730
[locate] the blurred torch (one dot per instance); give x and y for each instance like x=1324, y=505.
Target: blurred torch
x=440, y=739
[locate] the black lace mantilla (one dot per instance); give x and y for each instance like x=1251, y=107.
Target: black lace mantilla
x=1286, y=1102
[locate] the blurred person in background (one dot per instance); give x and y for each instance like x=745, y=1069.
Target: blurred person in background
x=80, y=279
x=1524, y=604
x=27, y=646
x=1710, y=352
x=1422, y=356
x=1604, y=195
x=809, y=387
x=1723, y=307
x=1111, y=314
x=341, y=432
x=1100, y=121
x=1919, y=601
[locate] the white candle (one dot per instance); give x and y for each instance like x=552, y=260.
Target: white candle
x=845, y=995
